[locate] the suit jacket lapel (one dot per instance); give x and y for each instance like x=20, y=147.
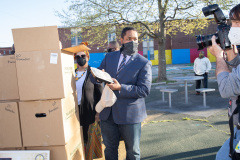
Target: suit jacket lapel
x=133, y=58
x=115, y=61
x=128, y=64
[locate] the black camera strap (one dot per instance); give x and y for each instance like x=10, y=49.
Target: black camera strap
x=231, y=126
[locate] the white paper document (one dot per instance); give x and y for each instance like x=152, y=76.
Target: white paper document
x=101, y=76
x=53, y=58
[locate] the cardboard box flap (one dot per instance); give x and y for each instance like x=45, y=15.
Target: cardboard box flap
x=36, y=39
x=78, y=48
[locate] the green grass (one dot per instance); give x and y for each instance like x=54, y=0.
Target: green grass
x=191, y=64
x=154, y=80
x=170, y=81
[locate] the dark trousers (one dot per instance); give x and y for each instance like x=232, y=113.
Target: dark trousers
x=130, y=133
x=204, y=81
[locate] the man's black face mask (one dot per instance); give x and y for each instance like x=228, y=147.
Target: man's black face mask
x=81, y=60
x=129, y=48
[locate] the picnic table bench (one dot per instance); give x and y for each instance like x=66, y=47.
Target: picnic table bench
x=170, y=91
x=204, y=90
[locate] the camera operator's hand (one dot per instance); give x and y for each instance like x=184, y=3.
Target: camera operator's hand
x=215, y=49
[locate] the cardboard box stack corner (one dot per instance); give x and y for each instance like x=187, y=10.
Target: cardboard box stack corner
x=38, y=102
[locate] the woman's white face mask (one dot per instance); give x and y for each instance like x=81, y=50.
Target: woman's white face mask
x=234, y=35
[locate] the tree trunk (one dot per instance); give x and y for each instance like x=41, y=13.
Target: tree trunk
x=161, y=61
x=161, y=44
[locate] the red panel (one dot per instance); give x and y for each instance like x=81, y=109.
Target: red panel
x=140, y=52
x=194, y=53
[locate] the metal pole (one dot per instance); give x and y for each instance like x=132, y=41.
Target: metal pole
x=204, y=99
x=186, y=92
x=170, y=100
x=163, y=99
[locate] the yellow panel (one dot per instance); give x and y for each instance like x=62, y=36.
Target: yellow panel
x=155, y=61
x=211, y=57
x=168, y=54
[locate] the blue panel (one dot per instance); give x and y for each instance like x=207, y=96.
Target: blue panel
x=148, y=54
x=96, y=59
x=180, y=56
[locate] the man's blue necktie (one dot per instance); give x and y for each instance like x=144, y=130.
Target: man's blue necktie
x=122, y=64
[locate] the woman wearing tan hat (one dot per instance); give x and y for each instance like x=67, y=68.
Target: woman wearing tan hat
x=88, y=93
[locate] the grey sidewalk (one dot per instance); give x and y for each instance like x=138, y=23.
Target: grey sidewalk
x=185, y=131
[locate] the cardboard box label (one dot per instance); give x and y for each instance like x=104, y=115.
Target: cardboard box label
x=11, y=60
x=9, y=108
x=53, y=58
x=20, y=57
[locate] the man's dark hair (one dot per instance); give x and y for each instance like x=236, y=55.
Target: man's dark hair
x=127, y=29
x=234, y=13
x=114, y=43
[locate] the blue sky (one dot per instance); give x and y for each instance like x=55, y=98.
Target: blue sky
x=27, y=13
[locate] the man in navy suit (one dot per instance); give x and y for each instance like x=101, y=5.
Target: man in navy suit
x=132, y=76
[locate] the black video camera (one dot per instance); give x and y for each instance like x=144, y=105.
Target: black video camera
x=222, y=29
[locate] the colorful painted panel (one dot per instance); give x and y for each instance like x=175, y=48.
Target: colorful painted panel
x=194, y=53
x=155, y=61
x=168, y=54
x=180, y=56
x=211, y=57
x=96, y=59
x=140, y=52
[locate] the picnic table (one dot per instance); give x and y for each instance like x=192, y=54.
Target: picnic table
x=186, y=79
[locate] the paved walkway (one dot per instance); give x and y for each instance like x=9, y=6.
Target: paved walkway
x=185, y=131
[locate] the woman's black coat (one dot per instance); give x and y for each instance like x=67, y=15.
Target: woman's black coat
x=91, y=94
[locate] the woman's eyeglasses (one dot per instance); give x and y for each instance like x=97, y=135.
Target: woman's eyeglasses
x=83, y=56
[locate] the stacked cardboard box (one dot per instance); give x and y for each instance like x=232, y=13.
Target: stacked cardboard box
x=10, y=135
x=41, y=78
x=8, y=78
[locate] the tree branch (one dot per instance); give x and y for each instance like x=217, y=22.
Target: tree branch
x=149, y=9
x=189, y=5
